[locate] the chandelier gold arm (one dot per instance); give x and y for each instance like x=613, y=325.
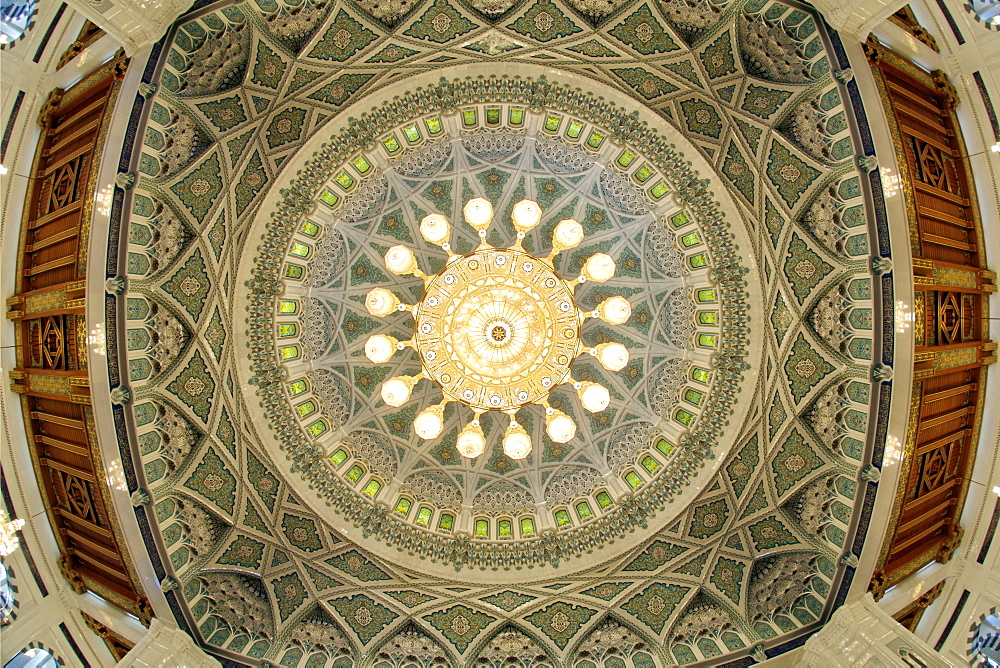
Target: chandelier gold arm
x=481, y=331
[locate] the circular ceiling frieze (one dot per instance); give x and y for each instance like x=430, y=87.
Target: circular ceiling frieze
x=636, y=200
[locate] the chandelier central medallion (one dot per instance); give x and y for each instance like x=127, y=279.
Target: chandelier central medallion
x=497, y=329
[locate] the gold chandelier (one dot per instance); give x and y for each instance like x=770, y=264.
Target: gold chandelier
x=497, y=329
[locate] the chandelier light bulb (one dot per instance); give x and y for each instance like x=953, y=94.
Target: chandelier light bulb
x=599, y=267
x=478, y=213
x=434, y=228
x=429, y=422
x=525, y=215
x=568, y=234
x=471, y=442
x=612, y=356
x=381, y=302
x=516, y=442
x=595, y=398
x=559, y=426
x=614, y=310
x=396, y=390
x=380, y=348
x=400, y=260
x=9, y=540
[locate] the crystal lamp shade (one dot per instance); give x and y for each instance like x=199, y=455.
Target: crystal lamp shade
x=560, y=427
x=525, y=215
x=599, y=268
x=380, y=348
x=396, y=390
x=595, y=398
x=615, y=311
x=429, y=422
x=612, y=356
x=400, y=260
x=471, y=442
x=381, y=302
x=568, y=234
x=435, y=229
x=516, y=442
x=478, y=213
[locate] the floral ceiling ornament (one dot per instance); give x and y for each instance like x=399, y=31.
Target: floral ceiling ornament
x=497, y=329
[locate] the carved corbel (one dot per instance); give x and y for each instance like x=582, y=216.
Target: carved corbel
x=49, y=108
x=948, y=92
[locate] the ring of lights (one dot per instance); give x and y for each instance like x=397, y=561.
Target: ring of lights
x=497, y=329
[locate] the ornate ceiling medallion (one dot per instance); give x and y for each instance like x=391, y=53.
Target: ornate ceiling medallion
x=497, y=329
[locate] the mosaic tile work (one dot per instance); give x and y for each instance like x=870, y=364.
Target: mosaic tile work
x=686, y=592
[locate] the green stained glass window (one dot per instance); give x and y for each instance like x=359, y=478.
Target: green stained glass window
x=562, y=518
x=574, y=129
x=434, y=126
x=294, y=271
x=309, y=228
x=706, y=296
x=344, y=180
x=329, y=198
x=492, y=115
x=679, y=219
x=604, y=500
x=505, y=529
x=633, y=479
x=412, y=133
x=650, y=464
x=403, y=506
x=583, y=511
x=288, y=306
x=659, y=191
x=708, y=340
x=354, y=473
x=372, y=488
x=300, y=249
x=288, y=352
x=307, y=408
x=447, y=522
x=684, y=417
x=339, y=457
x=701, y=375
x=708, y=317
x=391, y=143
x=691, y=239
x=515, y=116
x=287, y=329
x=361, y=164
x=698, y=261
x=595, y=139
x=643, y=173
x=626, y=158
x=317, y=428
x=552, y=122
x=297, y=387
x=482, y=529
x=424, y=515
x=470, y=117
x=527, y=526
x=665, y=446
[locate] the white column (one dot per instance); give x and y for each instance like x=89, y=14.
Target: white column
x=862, y=634
x=136, y=24
x=166, y=645
x=857, y=19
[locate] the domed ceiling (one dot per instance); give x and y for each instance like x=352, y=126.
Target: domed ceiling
x=296, y=518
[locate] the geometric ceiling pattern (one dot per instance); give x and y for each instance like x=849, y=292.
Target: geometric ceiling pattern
x=253, y=562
